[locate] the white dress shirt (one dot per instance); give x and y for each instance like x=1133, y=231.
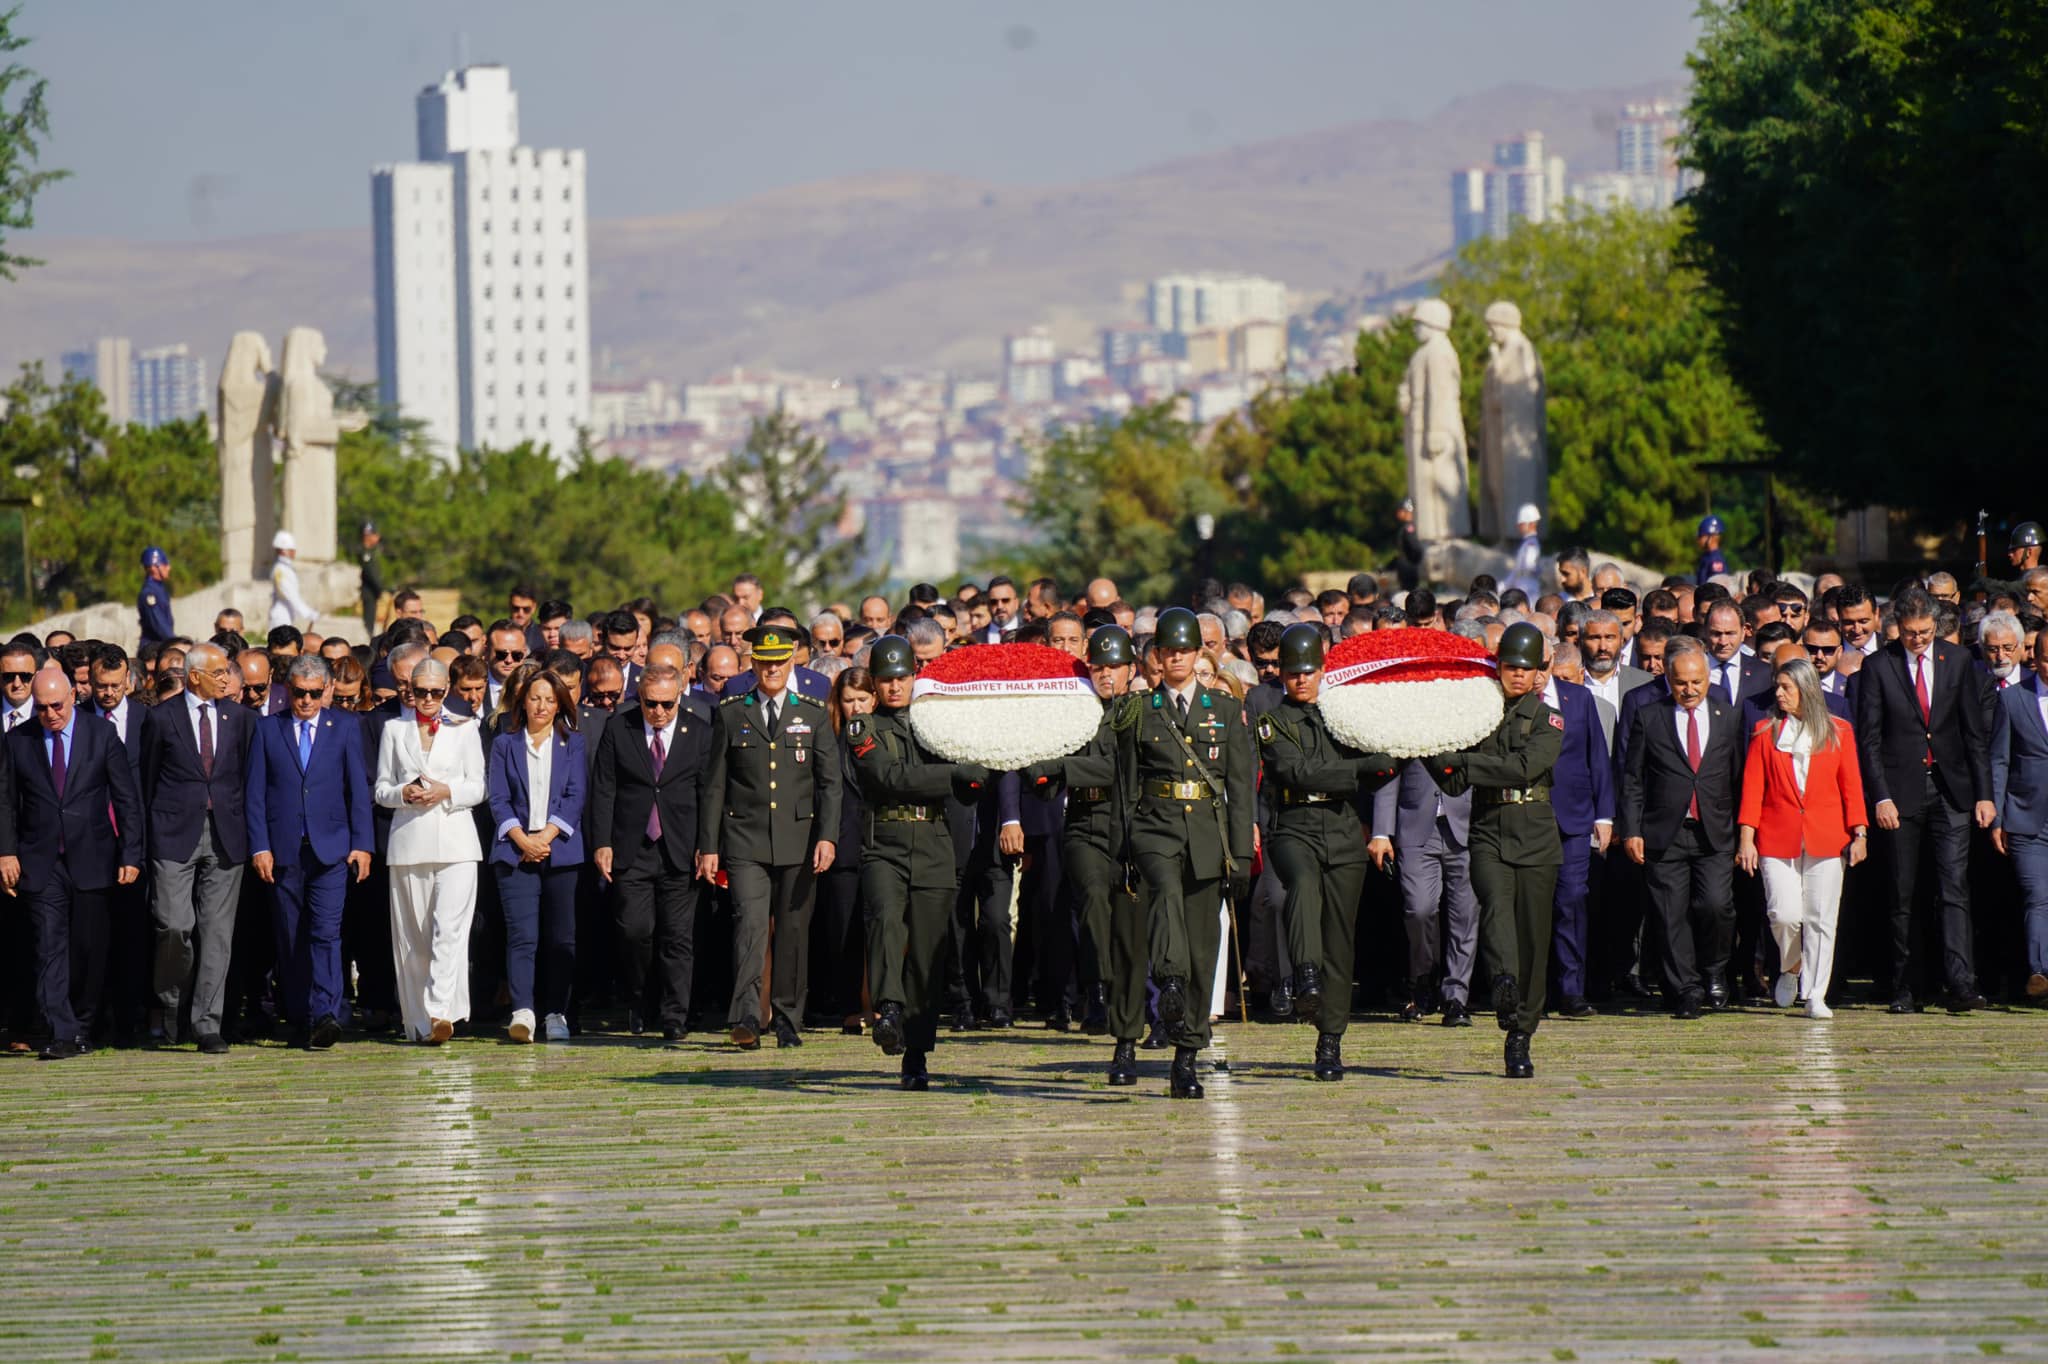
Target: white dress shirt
x=1706, y=719
x=1727, y=679
x=1913, y=666
x=17, y=716
x=192, y=705
x=667, y=732
x=1552, y=700
x=118, y=718
x=1608, y=691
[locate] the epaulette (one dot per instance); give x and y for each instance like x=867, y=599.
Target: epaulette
x=728, y=700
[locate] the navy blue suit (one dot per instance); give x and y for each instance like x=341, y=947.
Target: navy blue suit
x=1581, y=796
x=309, y=819
x=538, y=899
x=69, y=848
x=153, y=611
x=2019, y=788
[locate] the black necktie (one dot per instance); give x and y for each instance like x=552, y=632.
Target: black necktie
x=768, y=717
x=1180, y=702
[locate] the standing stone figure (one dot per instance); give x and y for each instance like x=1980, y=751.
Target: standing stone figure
x=248, y=500
x=1428, y=398
x=307, y=428
x=1513, y=470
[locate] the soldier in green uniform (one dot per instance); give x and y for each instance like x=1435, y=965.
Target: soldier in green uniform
x=1514, y=843
x=907, y=873
x=1092, y=851
x=1184, y=755
x=769, y=816
x=1318, y=845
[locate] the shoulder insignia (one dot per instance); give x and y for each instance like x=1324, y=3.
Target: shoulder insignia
x=727, y=700
x=1266, y=731
x=1556, y=720
x=747, y=696
x=1158, y=699
x=1205, y=698
x=857, y=727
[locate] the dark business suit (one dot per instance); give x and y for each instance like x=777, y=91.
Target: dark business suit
x=198, y=846
x=2019, y=787
x=71, y=834
x=1752, y=675
x=128, y=917
x=309, y=819
x=654, y=879
x=1432, y=837
x=366, y=906
x=983, y=941
x=593, y=893
x=1932, y=772
x=1689, y=862
x=1581, y=798
x=538, y=898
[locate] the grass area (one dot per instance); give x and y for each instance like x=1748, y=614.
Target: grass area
x=1867, y=1189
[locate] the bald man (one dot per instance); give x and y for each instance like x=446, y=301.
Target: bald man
x=70, y=831
x=1101, y=594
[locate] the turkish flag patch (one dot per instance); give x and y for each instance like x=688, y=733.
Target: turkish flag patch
x=1556, y=720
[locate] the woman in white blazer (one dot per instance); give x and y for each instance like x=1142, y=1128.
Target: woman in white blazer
x=430, y=770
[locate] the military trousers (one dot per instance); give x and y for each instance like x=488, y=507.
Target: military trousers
x=1322, y=920
x=763, y=895
x=1181, y=912
x=1113, y=928
x=1515, y=923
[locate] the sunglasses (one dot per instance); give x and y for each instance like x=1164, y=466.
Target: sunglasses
x=428, y=693
x=17, y=677
x=256, y=689
x=649, y=703
x=606, y=698
x=308, y=694
x=50, y=707
x=1824, y=650
x=508, y=655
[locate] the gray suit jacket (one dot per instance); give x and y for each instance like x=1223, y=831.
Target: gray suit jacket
x=1405, y=809
x=1610, y=712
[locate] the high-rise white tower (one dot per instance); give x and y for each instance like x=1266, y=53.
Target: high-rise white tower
x=483, y=274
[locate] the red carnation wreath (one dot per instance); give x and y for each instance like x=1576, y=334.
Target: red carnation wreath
x=1410, y=692
x=1004, y=706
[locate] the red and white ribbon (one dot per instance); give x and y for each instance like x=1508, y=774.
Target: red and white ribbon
x=1002, y=686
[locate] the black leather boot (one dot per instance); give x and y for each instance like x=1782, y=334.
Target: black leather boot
x=1329, y=1056
x=1123, y=1065
x=1182, y=1083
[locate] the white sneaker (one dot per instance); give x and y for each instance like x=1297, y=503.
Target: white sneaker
x=1787, y=989
x=1818, y=1008
x=557, y=1028
x=522, y=1026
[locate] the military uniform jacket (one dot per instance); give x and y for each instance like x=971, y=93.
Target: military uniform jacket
x=893, y=770
x=1314, y=782
x=372, y=563
x=1154, y=748
x=1517, y=756
x=153, y=612
x=769, y=797
x=1095, y=809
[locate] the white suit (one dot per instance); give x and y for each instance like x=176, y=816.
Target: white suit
x=433, y=859
x=287, y=607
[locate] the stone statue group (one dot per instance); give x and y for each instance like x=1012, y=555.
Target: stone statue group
x=270, y=414
x=1512, y=466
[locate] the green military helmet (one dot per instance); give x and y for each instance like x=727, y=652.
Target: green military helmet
x=891, y=656
x=2027, y=535
x=1301, y=649
x=1110, y=647
x=1521, y=646
x=1177, y=629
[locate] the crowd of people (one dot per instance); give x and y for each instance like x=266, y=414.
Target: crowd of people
x=1720, y=792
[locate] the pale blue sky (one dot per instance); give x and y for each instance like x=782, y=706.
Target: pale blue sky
x=204, y=119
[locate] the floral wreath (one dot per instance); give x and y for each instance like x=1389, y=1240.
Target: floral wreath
x=1004, y=706
x=1410, y=692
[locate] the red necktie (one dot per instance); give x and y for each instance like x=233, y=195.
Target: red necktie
x=1926, y=711
x=1692, y=756
x=658, y=755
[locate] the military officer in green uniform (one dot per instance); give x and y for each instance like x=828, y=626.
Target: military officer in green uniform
x=1092, y=852
x=1318, y=845
x=907, y=873
x=768, y=816
x=1514, y=843
x=1185, y=759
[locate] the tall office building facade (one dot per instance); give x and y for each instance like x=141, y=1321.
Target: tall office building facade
x=169, y=385
x=107, y=364
x=483, y=274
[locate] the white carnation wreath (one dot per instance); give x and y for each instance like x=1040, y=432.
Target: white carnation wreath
x=1413, y=719
x=1006, y=732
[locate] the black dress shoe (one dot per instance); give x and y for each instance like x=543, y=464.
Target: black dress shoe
x=1689, y=1005
x=1575, y=1006
x=1507, y=1001
x=786, y=1035
x=1155, y=1039
x=635, y=1024
x=673, y=1033
x=324, y=1034
x=1516, y=1056
x=1902, y=1003
x=854, y=1026
x=1280, y=1003
x=915, y=1078
x=1096, y=1022
x=1308, y=992
x=211, y=1044
x=1717, y=997
x=1059, y=1020
x=999, y=1018
x=1123, y=1065
x=888, y=1030
x=299, y=1039
x=1181, y=1082
x=745, y=1036
x=63, y=1049
x=1329, y=1056
x=1456, y=1015
x=965, y=1021
x=1173, y=1002
x=1412, y=1011
x=1963, y=1003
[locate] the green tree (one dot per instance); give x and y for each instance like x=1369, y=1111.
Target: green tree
x=1639, y=394
x=99, y=494
x=1121, y=500
x=24, y=123
x=789, y=512
x=1875, y=189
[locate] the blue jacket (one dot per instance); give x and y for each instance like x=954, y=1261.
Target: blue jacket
x=77, y=830
x=153, y=612
x=328, y=803
x=1582, y=783
x=2019, y=759
x=568, y=782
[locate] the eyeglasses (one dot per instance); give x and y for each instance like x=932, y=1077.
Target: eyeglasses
x=308, y=693
x=428, y=693
x=508, y=655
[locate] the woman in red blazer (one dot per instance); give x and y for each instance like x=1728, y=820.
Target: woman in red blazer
x=1802, y=810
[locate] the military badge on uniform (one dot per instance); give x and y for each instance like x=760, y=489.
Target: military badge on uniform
x=1556, y=720
x=1265, y=731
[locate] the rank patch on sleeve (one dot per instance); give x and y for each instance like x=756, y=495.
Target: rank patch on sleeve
x=1556, y=720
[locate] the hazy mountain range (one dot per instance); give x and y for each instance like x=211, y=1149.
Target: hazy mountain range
x=849, y=275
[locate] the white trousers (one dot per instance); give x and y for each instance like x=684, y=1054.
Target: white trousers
x=1803, y=899
x=431, y=906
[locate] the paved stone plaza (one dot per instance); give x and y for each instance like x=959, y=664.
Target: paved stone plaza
x=1869, y=1189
